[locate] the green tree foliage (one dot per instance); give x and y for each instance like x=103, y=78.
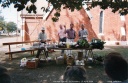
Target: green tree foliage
x=11, y=26
x=7, y=26
x=120, y=6
x=2, y=23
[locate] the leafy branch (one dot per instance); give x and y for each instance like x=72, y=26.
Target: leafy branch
x=120, y=6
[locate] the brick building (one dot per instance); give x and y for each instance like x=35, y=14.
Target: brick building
x=102, y=24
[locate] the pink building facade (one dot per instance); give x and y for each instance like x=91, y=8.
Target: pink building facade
x=104, y=24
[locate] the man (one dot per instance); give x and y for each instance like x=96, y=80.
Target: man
x=42, y=37
x=71, y=35
x=116, y=67
x=83, y=33
x=62, y=36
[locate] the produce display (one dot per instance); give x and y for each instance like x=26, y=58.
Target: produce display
x=83, y=43
x=62, y=45
x=97, y=44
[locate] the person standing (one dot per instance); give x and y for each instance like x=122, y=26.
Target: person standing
x=42, y=37
x=71, y=35
x=62, y=35
x=83, y=33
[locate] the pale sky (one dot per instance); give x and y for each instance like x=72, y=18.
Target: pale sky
x=11, y=14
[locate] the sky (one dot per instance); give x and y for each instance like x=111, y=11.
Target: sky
x=11, y=14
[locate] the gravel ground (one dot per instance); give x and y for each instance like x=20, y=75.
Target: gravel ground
x=47, y=72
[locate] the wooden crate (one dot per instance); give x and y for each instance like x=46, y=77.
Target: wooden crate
x=80, y=56
x=32, y=64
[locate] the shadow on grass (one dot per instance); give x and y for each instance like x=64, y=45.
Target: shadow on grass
x=50, y=71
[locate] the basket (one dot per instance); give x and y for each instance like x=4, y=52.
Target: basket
x=70, y=61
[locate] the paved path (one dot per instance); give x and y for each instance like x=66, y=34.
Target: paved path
x=11, y=39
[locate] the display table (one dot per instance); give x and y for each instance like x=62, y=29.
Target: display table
x=88, y=51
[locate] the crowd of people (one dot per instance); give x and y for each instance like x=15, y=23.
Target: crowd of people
x=64, y=35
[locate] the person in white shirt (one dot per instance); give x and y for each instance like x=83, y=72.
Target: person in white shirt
x=42, y=37
x=62, y=35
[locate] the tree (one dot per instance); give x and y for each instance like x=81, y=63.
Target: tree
x=120, y=6
x=11, y=26
x=2, y=23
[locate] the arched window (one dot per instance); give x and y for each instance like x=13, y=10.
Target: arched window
x=101, y=22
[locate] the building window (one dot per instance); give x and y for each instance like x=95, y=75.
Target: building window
x=122, y=17
x=101, y=22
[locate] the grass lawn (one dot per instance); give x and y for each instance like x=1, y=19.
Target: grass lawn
x=51, y=72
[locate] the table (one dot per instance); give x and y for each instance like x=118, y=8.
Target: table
x=88, y=51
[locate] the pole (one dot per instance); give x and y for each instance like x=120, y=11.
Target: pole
x=17, y=30
x=22, y=27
